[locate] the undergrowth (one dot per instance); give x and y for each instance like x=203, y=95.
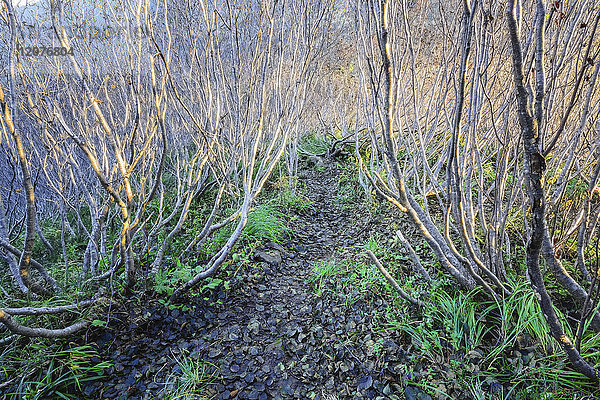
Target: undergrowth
x=355, y=281
x=495, y=350
x=461, y=345
x=266, y=223
x=50, y=371
x=190, y=378
x=40, y=369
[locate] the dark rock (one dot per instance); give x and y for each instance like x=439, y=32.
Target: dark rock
x=286, y=389
x=89, y=390
x=365, y=382
x=269, y=381
x=414, y=393
x=270, y=257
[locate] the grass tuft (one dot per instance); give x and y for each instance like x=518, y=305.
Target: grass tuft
x=352, y=280
x=266, y=223
x=190, y=379
x=54, y=373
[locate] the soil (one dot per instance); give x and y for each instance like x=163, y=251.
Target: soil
x=269, y=336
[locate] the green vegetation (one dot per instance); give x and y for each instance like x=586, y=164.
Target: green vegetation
x=314, y=144
x=298, y=202
x=461, y=342
x=191, y=380
x=486, y=343
x=45, y=368
x=348, y=191
x=266, y=223
x=355, y=281
x=166, y=281
x=49, y=371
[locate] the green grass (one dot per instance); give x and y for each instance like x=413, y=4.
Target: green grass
x=483, y=344
x=287, y=200
x=48, y=372
x=492, y=342
x=266, y=223
x=520, y=314
x=349, y=191
x=191, y=379
x=450, y=322
x=314, y=144
x=323, y=271
x=354, y=281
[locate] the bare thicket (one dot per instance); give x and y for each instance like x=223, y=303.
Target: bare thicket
x=484, y=132
x=477, y=119
x=160, y=103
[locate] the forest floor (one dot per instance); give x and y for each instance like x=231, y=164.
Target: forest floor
x=270, y=335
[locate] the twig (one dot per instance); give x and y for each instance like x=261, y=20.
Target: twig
x=22, y=330
x=51, y=310
x=6, y=318
x=393, y=282
x=8, y=340
x=413, y=256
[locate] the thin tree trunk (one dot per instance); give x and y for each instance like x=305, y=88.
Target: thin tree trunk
x=534, y=166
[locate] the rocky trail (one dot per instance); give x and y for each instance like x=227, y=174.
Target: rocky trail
x=271, y=336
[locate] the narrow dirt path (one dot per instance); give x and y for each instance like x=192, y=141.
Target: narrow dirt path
x=298, y=345
x=272, y=337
